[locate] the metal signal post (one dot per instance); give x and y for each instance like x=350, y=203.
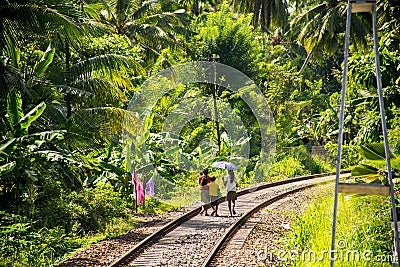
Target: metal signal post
x=356, y=6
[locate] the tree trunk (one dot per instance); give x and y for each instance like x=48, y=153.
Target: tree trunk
x=196, y=8
x=216, y=118
x=306, y=61
x=67, y=97
x=3, y=85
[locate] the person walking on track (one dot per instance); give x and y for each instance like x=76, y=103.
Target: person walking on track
x=214, y=195
x=230, y=184
x=204, y=194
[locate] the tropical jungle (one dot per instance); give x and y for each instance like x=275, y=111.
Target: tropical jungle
x=72, y=74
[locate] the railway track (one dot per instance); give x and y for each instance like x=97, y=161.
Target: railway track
x=194, y=239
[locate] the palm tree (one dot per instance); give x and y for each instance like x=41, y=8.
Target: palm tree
x=196, y=7
x=152, y=24
x=320, y=28
x=30, y=20
x=265, y=12
x=88, y=84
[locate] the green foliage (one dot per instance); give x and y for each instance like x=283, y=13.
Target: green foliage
x=312, y=164
x=64, y=221
x=281, y=82
x=266, y=14
x=112, y=44
x=362, y=72
x=374, y=151
x=287, y=167
x=388, y=22
x=373, y=165
x=63, y=99
x=24, y=245
x=231, y=41
x=350, y=153
x=85, y=211
x=302, y=110
x=24, y=154
x=155, y=206
x=394, y=132
x=320, y=25
x=296, y=162
x=362, y=226
x=152, y=24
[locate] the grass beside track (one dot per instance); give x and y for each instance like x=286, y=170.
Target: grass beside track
x=363, y=234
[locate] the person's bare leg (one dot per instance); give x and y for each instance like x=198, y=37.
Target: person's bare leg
x=213, y=208
x=233, y=201
x=230, y=208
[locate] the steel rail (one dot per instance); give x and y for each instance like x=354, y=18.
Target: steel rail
x=154, y=237
x=230, y=233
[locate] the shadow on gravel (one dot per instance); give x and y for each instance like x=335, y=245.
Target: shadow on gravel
x=79, y=262
x=200, y=224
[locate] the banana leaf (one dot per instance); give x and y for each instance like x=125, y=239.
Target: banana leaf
x=372, y=170
x=374, y=151
x=364, y=170
x=6, y=168
x=6, y=148
x=32, y=116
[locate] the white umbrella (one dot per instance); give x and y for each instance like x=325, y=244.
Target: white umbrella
x=224, y=165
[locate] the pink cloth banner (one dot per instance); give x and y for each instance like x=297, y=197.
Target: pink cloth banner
x=138, y=188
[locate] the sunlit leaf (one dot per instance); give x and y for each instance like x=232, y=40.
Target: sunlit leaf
x=6, y=168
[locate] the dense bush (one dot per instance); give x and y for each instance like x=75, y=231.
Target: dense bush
x=296, y=162
x=154, y=206
x=350, y=155
x=63, y=221
x=287, y=167
x=23, y=245
x=59, y=224
x=88, y=210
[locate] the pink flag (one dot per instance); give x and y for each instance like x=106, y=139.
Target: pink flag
x=150, y=187
x=138, y=188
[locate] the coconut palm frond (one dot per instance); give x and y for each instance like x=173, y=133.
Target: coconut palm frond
x=151, y=24
x=107, y=121
x=53, y=118
x=102, y=90
x=123, y=7
x=105, y=64
x=152, y=36
x=92, y=10
x=363, y=29
x=74, y=91
x=14, y=80
x=107, y=67
x=41, y=20
x=321, y=26
x=280, y=8
x=145, y=8
x=70, y=27
x=168, y=20
x=305, y=16
x=265, y=12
